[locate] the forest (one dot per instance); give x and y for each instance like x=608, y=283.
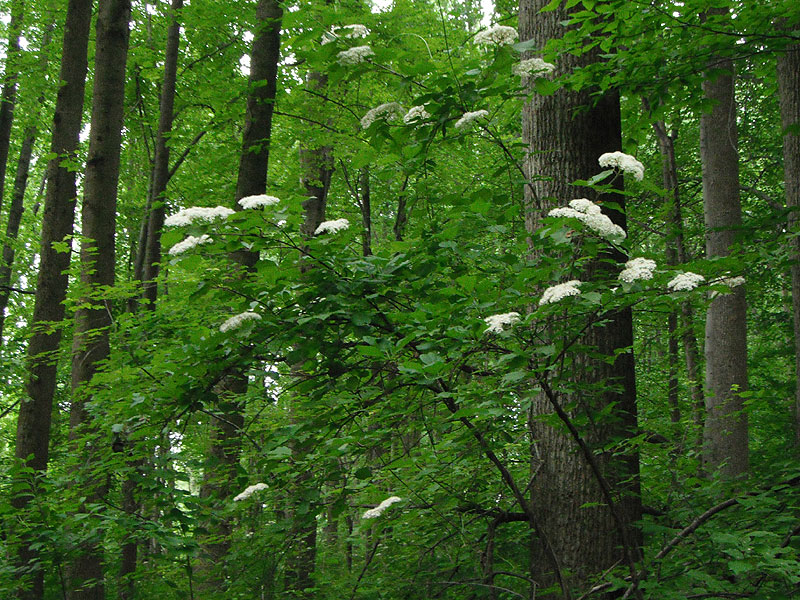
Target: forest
x=402, y=300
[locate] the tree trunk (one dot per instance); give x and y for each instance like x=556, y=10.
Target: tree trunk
x=90, y=344
x=252, y=180
x=566, y=134
x=789, y=95
x=725, y=432
x=33, y=423
x=8, y=98
x=160, y=177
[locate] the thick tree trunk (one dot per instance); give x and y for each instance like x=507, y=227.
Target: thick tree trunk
x=90, y=346
x=33, y=424
x=725, y=432
x=566, y=134
x=160, y=177
x=8, y=98
x=252, y=180
x=789, y=93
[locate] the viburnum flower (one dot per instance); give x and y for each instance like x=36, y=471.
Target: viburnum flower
x=637, y=269
x=624, y=162
x=532, y=66
x=388, y=111
x=685, y=281
x=592, y=216
x=354, y=56
x=189, y=243
x=332, y=226
x=496, y=35
x=258, y=201
x=249, y=491
x=236, y=321
x=374, y=513
x=186, y=216
x=497, y=323
x=469, y=118
x=416, y=113
x=560, y=291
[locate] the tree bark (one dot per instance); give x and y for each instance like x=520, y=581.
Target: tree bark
x=33, y=423
x=789, y=96
x=90, y=344
x=252, y=180
x=160, y=176
x=566, y=133
x=8, y=98
x=725, y=432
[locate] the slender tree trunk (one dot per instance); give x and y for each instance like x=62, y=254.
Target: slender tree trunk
x=566, y=134
x=155, y=218
x=33, y=424
x=725, y=432
x=90, y=345
x=8, y=97
x=366, y=211
x=252, y=180
x=16, y=207
x=789, y=94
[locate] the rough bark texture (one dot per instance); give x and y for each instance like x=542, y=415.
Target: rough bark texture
x=226, y=437
x=160, y=177
x=90, y=347
x=33, y=424
x=566, y=133
x=8, y=97
x=725, y=432
x=789, y=90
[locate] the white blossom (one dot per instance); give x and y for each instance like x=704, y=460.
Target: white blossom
x=332, y=226
x=354, y=55
x=532, y=66
x=388, y=111
x=624, y=162
x=729, y=281
x=249, y=491
x=258, y=201
x=186, y=216
x=376, y=512
x=685, y=281
x=236, y=321
x=560, y=291
x=637, y=269
x=346, y=31
x=189, y=243
x=499, y=35
x=416, y=113
x=497, y=323
x=592, y=216
x=467, y=119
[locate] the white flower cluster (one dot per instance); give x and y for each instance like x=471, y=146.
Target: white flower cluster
x=332, y=226
x=592, y=216
x=685, y=281
x=258, y=201
x=532, y=66
x=637, y=269
x=560, y=291
x=354, y=56
x=496, y=35
x=624, y=162
x=731, y=282
x=249, y=491
x=189, y=243
x=388, y=111
x=468, y=119
x=374, y=513
x=497, y=323
x=186, y=216
x=346, y=31
x=236, y=321
x=416, y=113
